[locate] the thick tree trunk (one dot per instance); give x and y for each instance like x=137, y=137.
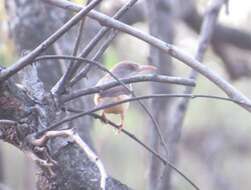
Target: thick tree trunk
x=30, y=23
x=160, y=25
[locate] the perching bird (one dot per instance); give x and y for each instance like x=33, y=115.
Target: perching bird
x=119, y=93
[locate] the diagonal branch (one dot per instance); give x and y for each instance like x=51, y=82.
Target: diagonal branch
x=151, y=78
x=78, y=140
x=214, y=77
x=133, y=137
x=165, y=162
x=59, y=86
x=27, y=59
x=103, y=31
x=191, y=96
x=179, y=113
x=204, y=41
x=135, y=79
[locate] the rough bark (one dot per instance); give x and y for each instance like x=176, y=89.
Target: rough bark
x=160, y=25
x=225, y=37
x=30, y=23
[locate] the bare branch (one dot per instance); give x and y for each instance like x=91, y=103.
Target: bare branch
x=204, y=41
x=59, y=86
x=207, y=30
x=132, y=136
x=98, y=54
x=151, y=78
x=230, y=90
x=224, y=34
x=141, y=78
x=103, y=31
x=77, y=139
x=165, y=162
x=27, y=59
x=191, y=96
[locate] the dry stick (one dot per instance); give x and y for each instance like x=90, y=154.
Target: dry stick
x=148, y=112
x=102, y=32
x=78, y=140
x=70, y=118
x=156, y=124
x=27, y=59
x=133, y=137
x=87, y=69
x=135, y=79
x=207, y=30
x=55, y=125
x=230, y=90
x=98, y=54
x=59, y=86
x=141, y=78
x=105, y=30
x=204, y=40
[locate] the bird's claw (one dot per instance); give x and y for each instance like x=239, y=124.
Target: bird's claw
x=104, y=119
x=119, y=129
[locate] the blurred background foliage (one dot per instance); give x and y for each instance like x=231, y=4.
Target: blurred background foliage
x=222, y=126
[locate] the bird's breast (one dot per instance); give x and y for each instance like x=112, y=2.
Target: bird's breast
x=118, y=109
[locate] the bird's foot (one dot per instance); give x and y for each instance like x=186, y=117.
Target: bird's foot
x=104, y=118
x=119, y=129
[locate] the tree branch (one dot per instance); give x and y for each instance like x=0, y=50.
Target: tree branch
x=207, y=30
x=59, y=86
x=102, y=32
x=230, y=90
x=78, y=140
x=27, y=59
x=191, y=96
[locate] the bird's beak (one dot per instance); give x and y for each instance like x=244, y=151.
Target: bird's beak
x=147, y=69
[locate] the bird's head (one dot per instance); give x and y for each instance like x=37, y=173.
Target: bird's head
x=127, y=69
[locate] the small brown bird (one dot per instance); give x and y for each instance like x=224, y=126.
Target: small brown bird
x=119, y=93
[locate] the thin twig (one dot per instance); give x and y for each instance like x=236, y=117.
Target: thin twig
x=102, y=32
x=78, y=140
x=133, y=137
x=97, y=56
x=77, y=94
x=191, y=96
x=155, y=122
x=204, y=41
x=86, y=69
x=96, y=39
x=141, y=78
x=177, y=53
x=60, y=85
x=207, y=30
x=27, y=59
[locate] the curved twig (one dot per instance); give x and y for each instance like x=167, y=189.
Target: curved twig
x=177, y=53
x=70, y=118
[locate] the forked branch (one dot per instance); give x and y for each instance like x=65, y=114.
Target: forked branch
x=78, y=140
x=174, y=51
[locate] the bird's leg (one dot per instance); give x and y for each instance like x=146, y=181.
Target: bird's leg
x=122, y=118
x=105, y=120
